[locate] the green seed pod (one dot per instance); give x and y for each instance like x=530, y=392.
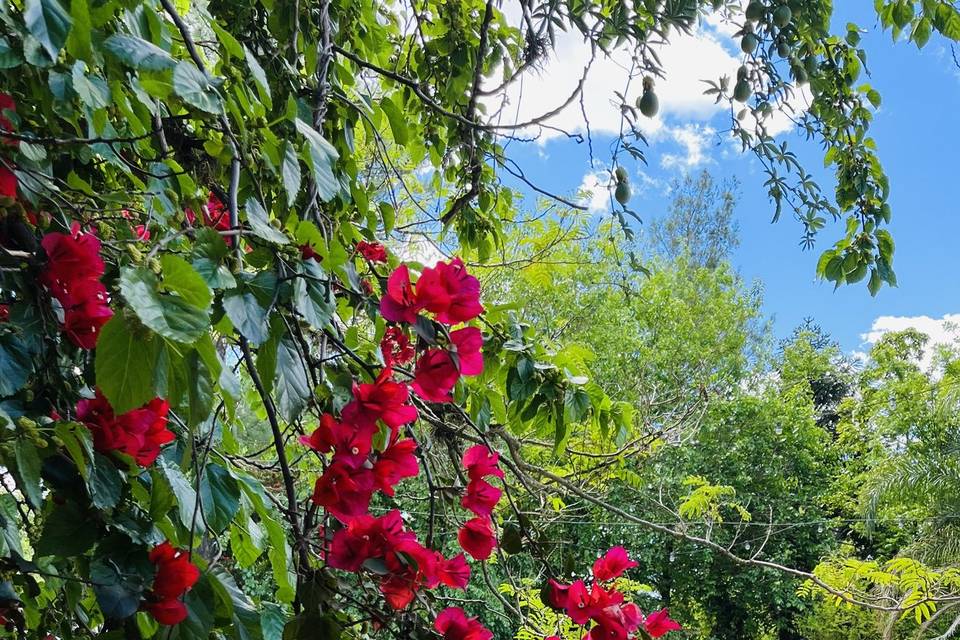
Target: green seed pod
x=741, y=92
x=622, y=193
x=755, y=10
x=511, y=541
x=783, y=49
x=782, y=16
x=749, y=43
x=742, y=72
x=648, y=104
x=621, y=174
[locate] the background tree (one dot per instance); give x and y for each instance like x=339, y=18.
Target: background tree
x=700, y=222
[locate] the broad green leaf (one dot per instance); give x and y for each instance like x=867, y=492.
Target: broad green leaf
x=220, y=496
x=322, y=156
x=246, y=619
x=28, y=470
x=182, y=279
x=124, y=364
x=9, y=58
x=260, y=77
x=105, y=483
x=200, y=612
x=138, y=53
x=15, y=363
x=121, y=573
x=92, y=90
x=67, y=532
x=397, y=119
x=247, y=541
x=78, y=442
x=246, y=314
x=172, y=316
x=79, y=42
x=291, y=385
x=311, y=297
x=49, y=23
x=291, y=173
x=185, y=493
x=260, y=223
x=230, y=44
x=196, y=88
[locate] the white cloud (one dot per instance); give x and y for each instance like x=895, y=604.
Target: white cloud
x=687, y=61
x=693, y=138
x=595, y=192
x=943, y=331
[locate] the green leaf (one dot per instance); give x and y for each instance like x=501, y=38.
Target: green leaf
x=185, y=493
x=105, y=483
x=247, y=541
x=138, y=53
x=260, y=77
x=181, y=278
x=124, y=364
x=47, y=21
x=15, y=363
x=397, y=119
x=172, y=316
x=220, y=496
x=9, y=58
x=260, y=223
x=322, y=158
x=230, y=44
x=200, y=614
x=121, y=573
x=196, y=88
x=245, y=618
x=78, y=42
x=28, y=470
x=78, y=442
x=246, y=314
x=291, y=173
x=291, y=384
x=92, y=90
x=67, y=532
x=279, y=550
x=311, y=296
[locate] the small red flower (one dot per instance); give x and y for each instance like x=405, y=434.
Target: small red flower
x=455, y=572
x=450, y=292
x=384, y=400
x=399, y=303
x=307, y=252
x=612, y=564
x=86, y=310
x=372, y=251
x=394, y=464
x=395, y=347
x=435, y=376
x=138, y=433
x=453, y=624
x=659, y=623
x=175, y=576
x=481, y=497
x=349, y=443
x=344, y=491
x=480, y=462
x=8, y=182
x=215, y=215
x=476, y=538
x=467, y=344
x=4, y=312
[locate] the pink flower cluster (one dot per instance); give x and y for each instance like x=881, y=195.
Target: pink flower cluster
x=604, y=608
x=72, y=275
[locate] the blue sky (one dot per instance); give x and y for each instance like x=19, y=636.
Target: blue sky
x=917, y=144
